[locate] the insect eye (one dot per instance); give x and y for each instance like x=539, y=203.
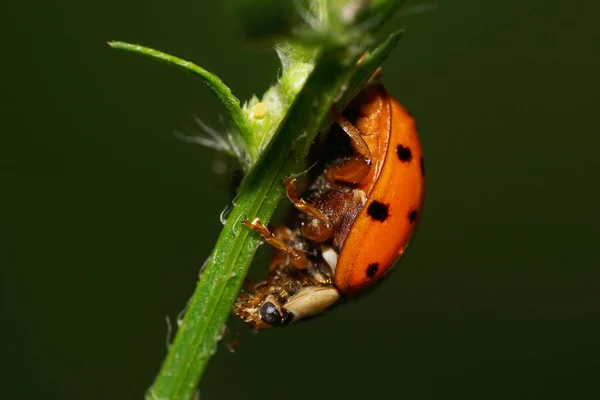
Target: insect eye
x=269, y=314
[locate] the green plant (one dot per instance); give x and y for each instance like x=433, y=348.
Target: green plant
x=319, y=56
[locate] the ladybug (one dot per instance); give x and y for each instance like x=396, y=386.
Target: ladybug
x=363, y=200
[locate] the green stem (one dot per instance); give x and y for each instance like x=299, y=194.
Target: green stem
x=334, y=73
x=260, y=193
x=216, y=85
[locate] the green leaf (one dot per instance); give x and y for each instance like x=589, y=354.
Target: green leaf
x=216, y=85
x=379, y=12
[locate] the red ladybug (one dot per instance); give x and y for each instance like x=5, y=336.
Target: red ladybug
x=360, y=212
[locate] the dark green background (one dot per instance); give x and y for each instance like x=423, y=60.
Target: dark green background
x=106, y=217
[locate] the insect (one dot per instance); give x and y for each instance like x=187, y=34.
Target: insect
x=358, y=214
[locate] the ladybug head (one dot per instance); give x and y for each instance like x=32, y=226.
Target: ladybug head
x=274, y=315
x=269, y=310
x=262, y=310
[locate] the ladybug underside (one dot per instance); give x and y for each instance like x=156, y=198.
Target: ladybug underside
x=302, y=280
x=288, y=293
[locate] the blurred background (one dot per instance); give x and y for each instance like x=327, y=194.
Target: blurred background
x=106, y=217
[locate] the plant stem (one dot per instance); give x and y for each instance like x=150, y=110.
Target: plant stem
x=260, y=193
x=334, y=74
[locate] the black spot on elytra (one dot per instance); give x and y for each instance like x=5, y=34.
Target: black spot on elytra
x=404, y=153
x=422, y=168
x=412, y=216
x=372, y=269
x=378, y=211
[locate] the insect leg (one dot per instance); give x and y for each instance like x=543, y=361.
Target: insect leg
x=356, y=168
x=297, y=258
x=320, y=228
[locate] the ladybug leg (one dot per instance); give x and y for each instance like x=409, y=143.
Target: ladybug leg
x=357, y=140
x=231, y=337
x=320, y=228
x=232, y=345
x=352, y=170
x=356, y=168
x=280, y=257
x=377, y=74
x=296, y=257
x=249, y=286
